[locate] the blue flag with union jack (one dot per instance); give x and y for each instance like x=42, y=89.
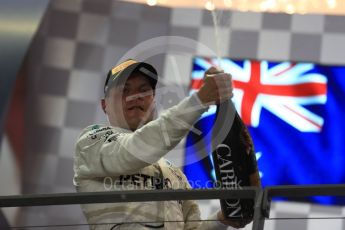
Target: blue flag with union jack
x=295, y=114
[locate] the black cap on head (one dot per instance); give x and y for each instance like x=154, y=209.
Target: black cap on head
x=121, y=72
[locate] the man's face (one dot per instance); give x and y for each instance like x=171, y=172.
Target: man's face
x=131, y=104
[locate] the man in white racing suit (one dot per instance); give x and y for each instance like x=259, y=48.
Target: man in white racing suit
x=128, y=153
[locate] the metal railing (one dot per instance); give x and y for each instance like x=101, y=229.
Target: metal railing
x=261, y=209
x=299, y=191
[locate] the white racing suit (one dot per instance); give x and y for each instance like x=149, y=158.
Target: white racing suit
x=110, y=158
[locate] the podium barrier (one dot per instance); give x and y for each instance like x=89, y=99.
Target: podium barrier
x=261, y=197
